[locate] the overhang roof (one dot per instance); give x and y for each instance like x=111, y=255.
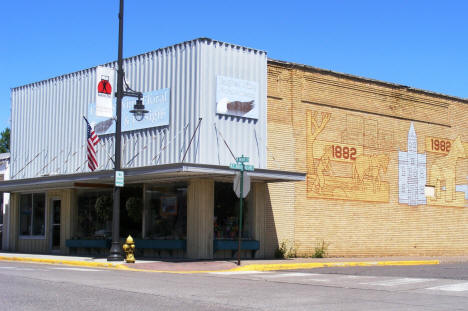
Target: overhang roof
x=148, y=174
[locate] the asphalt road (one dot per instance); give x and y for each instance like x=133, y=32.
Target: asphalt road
x=52, y=287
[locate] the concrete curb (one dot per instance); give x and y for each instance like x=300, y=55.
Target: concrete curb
x=310, y=265
x=64, y=262
x=314, y=265
x=253, y=267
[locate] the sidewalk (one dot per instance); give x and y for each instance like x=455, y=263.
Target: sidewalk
x=189, y=266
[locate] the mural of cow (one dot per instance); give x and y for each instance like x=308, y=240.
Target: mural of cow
x=369, y=166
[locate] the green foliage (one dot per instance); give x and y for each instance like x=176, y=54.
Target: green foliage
x=104, y=208
x=286, y=249
x=134, y=208
x=321, y=249
x=5, y=140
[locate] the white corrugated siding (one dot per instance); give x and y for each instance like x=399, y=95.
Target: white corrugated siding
x=244, y=136
x=49, y=133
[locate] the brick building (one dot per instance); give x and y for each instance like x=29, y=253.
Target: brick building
x=365, y=167
x=373, y=152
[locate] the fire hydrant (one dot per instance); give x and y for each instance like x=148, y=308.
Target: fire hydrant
x=129, y=248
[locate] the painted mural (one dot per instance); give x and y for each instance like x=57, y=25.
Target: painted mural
x=416, y=171
x=348, y=158
x=344, y=170
x=411, y=172
x=442, y=173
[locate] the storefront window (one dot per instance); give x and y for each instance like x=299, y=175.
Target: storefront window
x=226, y=213
x=95, y=213
x=94, y=221
x=32, y=214
x=167, y=212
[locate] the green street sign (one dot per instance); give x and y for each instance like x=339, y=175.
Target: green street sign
x=249, y=167
x=238, y=166
x=119, y=178
x=242, y=159
x=235, y=166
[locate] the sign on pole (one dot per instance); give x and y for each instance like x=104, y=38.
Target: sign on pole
x=235, y=166
x=246, y=185
x=241, y=188
x=248, y=167
x=104, y=91
x=119, y=178
x=242, y=159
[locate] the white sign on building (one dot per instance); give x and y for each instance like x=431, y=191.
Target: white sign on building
x=104, y=91
x=157, y=102
x=236, y=97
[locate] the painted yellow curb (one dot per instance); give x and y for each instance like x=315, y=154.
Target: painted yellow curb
x=309, y=265
x=64, y=262
x=254, y=267
x=312, y=265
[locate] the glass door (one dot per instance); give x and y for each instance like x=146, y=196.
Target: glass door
x=55, y=224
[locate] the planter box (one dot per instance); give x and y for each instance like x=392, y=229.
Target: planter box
x=232, y=245
x=83, y=243
x=160, y=244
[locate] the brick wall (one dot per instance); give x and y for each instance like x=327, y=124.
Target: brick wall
x=364, y=193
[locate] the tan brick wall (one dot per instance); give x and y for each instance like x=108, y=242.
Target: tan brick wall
x=351, y=196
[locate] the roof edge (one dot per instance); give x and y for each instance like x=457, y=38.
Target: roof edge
x=114, y=63
x=364, y=79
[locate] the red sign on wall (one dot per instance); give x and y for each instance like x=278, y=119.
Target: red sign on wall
x=104, y=82
x=104, y=86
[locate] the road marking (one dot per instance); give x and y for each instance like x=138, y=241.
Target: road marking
x=357, y=276
x=396, y=282
x=285, y=275
x=237, y=272
x=77, y=269
x=460, y=287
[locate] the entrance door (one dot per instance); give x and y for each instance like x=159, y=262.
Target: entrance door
x=55, y=224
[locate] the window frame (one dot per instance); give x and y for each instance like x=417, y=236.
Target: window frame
x=30, y=236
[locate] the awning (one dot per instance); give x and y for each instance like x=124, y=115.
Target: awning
x=148, y=174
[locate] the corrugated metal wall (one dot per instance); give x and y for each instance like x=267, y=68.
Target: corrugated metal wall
x=48, y=134
x=244, y=136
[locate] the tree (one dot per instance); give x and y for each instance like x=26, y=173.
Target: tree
x=314, y=128
x=5, y=140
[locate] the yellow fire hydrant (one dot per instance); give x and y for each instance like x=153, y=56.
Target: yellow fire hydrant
x=129, y=248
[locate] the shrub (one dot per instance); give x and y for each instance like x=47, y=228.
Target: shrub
x=286, y=249
x=321, y=249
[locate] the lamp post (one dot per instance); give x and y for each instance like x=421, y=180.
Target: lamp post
x=115, y=253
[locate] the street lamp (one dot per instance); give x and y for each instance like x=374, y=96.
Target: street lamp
x=139, y=110
x=115, y=253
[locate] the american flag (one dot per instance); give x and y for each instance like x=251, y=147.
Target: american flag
x=93, y=140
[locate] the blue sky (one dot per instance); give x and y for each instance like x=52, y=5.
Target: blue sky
x=422, y=44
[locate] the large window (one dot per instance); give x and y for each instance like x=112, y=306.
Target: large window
x=167, y=212
x=32, y=214
x=95, y=213
x=226, y=214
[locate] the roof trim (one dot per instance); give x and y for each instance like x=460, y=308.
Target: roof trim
x=363, y=79
x=163, y=173
x=114, y=63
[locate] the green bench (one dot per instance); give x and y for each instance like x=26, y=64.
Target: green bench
x=232, y=245
x=161, y=245
x=98, y=245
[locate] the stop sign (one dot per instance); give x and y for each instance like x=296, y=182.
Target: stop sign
x=246, y=185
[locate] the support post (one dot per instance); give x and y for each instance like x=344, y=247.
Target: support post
x=240, y=214
x=115, y=253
